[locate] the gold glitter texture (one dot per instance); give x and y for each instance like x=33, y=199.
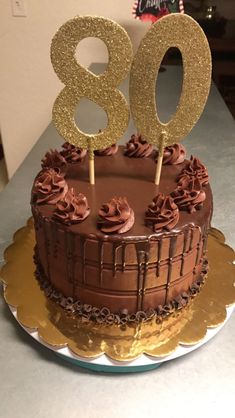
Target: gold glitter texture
x=187, y=326
x=80, y=82
x=184, y=33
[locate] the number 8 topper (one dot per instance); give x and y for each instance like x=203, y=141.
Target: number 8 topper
x=182, y=32
x=80, y=82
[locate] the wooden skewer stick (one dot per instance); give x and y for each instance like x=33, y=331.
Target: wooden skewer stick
x=91, y=166
x=160, y=158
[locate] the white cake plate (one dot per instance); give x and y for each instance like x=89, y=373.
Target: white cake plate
x=143, y=363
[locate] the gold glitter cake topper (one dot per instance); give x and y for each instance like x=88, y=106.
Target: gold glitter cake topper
x=184, y=33
x=80, y=82
x=175, y=30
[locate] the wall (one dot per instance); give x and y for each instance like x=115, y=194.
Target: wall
x=28, y=85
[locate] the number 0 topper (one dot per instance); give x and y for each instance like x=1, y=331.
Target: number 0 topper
x=80, y=82
x=182, y=32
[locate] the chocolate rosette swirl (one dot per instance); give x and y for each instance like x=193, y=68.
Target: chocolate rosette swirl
x=137, y=147
x=107, y=152
x=49, y=187
x=72, y=208
x=72, y=154
x=194, y=169
x=191, y=196
x=174, y=154
x=116, y=216
x=162, y=213
x=53, y=159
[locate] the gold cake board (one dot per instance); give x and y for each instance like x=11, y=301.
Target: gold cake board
x=143, y=363
x=187, y=327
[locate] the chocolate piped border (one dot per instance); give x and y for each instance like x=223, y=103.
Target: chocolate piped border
x=104, y=315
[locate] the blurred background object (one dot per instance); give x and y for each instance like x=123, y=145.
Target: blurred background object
x=156, y=9
x=217, y=18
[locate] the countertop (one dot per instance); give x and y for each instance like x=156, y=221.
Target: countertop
x=35, y=383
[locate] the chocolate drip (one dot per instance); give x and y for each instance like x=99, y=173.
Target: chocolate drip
x=159, y=257
x=204, y=245
x=83, y=257
x=198, y=248
x=123, y=256
x=146, y=265
x=171, y=255
x=204, y=239
x=191, y=240
x=198, y=252
x=186, y=235
x=37, y=220
x=70, y=259
x=101, y=260
x=47, y=247
x=115, y=247
x=142, y=253
x=54, y=241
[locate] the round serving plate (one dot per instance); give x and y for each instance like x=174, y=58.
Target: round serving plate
x=136, y=348
x=104, y=363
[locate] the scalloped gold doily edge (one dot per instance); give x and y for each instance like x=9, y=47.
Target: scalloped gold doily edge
x=186, y=327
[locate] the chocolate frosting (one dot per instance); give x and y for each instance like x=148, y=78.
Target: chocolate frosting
x=137, y=270
x=104, y=315
x=72, y=208
x=49, y=187
x=53, y=159
x=194, y=169
x=174, y=154
x=162, y=213
x=137, y=147
x=191, y=196
x=107, y=151
x=116, y=216
x=72, y=154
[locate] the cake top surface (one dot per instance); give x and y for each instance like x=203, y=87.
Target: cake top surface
x=117, y=175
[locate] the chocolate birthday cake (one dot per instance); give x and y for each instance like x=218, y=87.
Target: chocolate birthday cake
x=123, y=250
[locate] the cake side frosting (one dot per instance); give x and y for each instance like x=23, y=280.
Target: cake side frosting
x=104, y=315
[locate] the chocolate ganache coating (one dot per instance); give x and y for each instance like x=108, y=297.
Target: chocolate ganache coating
x=72, y=208
x=138, y=147
x=138, y=270
x=162, y=213
x=50, y=187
